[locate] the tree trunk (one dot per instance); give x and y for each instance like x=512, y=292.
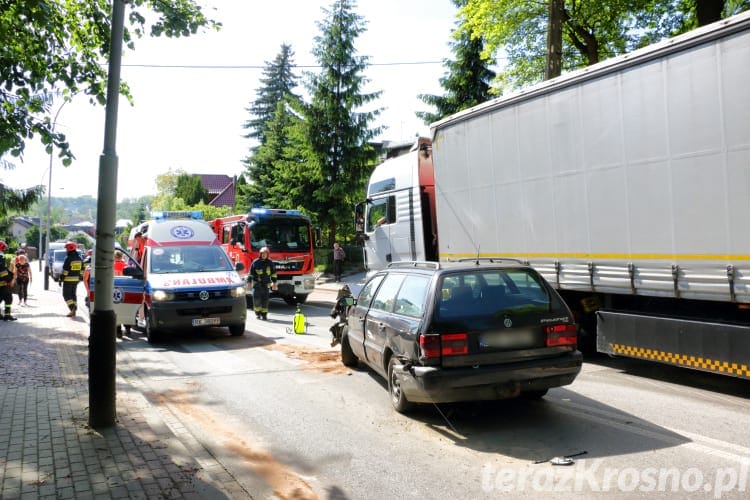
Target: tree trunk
x=553, y=67
x=708, y=11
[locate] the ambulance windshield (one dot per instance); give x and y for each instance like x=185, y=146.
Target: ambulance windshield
x=189, y=259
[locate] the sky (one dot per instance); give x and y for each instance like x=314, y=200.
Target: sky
x=190, y=118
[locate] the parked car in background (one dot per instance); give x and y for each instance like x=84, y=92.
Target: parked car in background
x=50, y=256
x=449, y=332
x=58, y=258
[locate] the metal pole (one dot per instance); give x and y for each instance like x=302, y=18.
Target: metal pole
x=102, y=343
x=41, y=227
x=49, y=206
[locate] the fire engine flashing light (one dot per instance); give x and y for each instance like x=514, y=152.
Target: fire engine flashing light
x=274, y=211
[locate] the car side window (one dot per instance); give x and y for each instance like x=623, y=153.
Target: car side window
x=411, y=297
x=365, y=296
x=386, y=295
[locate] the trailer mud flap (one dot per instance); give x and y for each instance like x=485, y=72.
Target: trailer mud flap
x=712, y=347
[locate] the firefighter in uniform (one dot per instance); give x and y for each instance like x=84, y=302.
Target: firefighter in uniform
x=7, y=280
x=72, y=273
x=262, y=277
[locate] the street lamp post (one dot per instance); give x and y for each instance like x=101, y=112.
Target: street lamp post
x=102, y=344
x=49, y=205
x=39, y=248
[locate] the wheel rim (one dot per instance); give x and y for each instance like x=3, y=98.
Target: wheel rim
x=395, y=387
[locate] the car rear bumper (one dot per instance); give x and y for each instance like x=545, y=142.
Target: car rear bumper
x=432, y=384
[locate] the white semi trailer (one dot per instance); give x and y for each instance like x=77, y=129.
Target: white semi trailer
x=626, y=184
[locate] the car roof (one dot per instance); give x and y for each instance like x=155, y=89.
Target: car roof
x=468, y=264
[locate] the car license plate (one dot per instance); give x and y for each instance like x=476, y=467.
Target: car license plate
x=508, y=339
x=206, y=322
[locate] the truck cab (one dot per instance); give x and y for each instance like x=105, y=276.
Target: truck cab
x=397, y=220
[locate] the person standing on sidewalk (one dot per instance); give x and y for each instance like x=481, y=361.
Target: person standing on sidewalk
x=338, y=261
x=7, y=280
x=262, y=277
x=23, y=278
x=72, y=273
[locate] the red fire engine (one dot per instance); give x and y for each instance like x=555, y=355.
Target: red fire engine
x=289, y=237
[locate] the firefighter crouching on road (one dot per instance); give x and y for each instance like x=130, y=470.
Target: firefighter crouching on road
x=262, y=277
x=7, y=280
x=72, y=273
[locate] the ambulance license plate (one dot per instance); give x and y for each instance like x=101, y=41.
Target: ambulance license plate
x=206, y=322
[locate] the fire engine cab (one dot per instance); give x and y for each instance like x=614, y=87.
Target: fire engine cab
x=289, y=237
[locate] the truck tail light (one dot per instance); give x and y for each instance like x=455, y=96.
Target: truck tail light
x=447, y=344
x=558, y=335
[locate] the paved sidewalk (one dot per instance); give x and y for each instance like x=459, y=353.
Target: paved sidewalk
x=47, y=449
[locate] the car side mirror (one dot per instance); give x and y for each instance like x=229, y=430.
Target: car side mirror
x=239, y=266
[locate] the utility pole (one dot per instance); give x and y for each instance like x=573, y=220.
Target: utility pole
x=102, y=343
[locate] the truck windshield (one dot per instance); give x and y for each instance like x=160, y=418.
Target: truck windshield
x=281, y=236
x=188, y=259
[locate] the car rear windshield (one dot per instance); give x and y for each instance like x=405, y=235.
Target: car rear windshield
x=494, y=293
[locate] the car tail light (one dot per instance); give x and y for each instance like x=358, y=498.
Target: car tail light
x=430, y=346
x=447, y=344
x=454, y=344
x=558, y=335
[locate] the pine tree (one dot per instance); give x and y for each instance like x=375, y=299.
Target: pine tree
x=278, y=82
x=337, y=123
x=468, y=79
x=270, y=185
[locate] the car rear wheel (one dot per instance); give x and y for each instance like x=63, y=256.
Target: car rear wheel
x=348, y=358
x=237, y=330
x=398, y=399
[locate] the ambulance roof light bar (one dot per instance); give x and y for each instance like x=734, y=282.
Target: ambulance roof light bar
x=176, y=214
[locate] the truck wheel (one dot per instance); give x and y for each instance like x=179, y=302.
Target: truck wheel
x=151, y=334
x=348, y=358
x=237, y=330
x=290, y=300
x=301, y=298
x=398, y=400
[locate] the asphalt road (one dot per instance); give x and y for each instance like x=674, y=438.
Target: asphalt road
x=289, y=420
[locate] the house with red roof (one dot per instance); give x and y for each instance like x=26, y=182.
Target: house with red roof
x=221, y=189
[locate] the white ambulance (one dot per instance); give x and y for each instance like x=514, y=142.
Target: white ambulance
x=187, y=279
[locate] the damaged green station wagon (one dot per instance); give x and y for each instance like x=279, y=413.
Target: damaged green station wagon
x=462, y=331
